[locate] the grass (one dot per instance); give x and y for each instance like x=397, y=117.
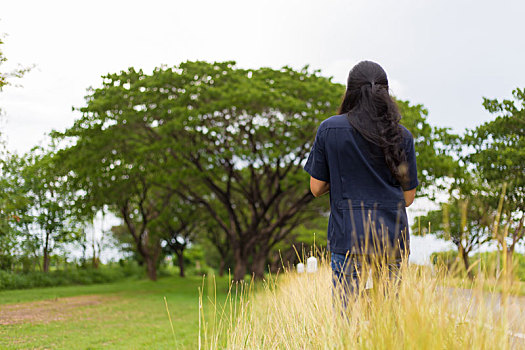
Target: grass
x=131, y=314
x=297, y=311
x=287, y=311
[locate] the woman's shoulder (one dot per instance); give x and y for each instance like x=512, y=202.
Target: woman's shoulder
x=407, y=135
x=335, y=121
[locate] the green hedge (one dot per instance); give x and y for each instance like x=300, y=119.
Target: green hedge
x=489, y=262
x=11, y=280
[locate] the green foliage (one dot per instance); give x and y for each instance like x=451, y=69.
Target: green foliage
x=499, y=151
x=195, y=258
x=34, y=205
x=435, y=148
x=12, y=280
x=447, y=258
x=498, y=159
x=13, y=206
x=213, y=257
x=50, y=199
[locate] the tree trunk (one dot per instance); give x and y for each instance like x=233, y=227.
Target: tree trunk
x=259, y=263
x=181, y=263
x=46, y=253
x=151, y=268
x=464, y=257
x=46, y=260
x=239, y=271
x=258, y=268
x=222, y=263
x=95, y=259
x=510, y=267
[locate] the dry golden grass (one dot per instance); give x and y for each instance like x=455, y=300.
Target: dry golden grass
x=297, y=311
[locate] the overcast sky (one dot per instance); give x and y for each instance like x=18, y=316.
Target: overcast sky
x=444, y=54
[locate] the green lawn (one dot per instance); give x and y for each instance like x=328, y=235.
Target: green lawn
x=129, y=314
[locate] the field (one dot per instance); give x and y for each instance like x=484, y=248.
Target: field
x=287, y=311
x=126, y=315
x=298, y=311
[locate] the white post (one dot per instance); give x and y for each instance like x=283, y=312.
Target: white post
x=311, y=264
x=300, y=268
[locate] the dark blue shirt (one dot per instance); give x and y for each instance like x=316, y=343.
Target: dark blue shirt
x=367, y=207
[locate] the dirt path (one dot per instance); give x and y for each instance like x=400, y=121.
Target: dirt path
x=469, y=303
x=473, y=302
x=46, y=311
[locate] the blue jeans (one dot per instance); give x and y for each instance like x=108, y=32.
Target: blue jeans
x=350, y=273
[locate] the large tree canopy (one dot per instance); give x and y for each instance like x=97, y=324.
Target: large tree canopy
x=231, y=141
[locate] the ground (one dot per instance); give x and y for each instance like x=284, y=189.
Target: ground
x=132, y=315
x=126, y=315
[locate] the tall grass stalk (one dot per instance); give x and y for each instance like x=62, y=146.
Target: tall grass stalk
x=171, y=323
x=298, y=311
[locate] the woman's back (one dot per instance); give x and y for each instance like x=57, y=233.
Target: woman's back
x=367, y=203
x=367, y=161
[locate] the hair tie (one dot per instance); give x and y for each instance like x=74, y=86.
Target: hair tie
x=372, y=84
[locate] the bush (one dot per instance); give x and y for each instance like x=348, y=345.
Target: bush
x=448, y=258
x=6, y=261
x=195, y=261
x=104, y=274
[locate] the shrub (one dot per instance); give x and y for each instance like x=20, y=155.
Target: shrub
x=104, y=274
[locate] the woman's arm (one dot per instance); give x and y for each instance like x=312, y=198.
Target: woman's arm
x=409, y=196
x=318, y=187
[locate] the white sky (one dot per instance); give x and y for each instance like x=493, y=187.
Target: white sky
x=444, y=54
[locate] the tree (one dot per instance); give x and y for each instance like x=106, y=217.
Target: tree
x=13, y=206
x=464, y=220
x=487, y=194
x=247, y=133
x=12, y=200
x=109, y=167
x=34, y=206
x=50, y=203
x=184, y=112
x=499, y=160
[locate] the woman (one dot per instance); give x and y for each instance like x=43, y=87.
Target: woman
x=366, y=160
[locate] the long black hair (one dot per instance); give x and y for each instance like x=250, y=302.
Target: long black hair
x=374, y=114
